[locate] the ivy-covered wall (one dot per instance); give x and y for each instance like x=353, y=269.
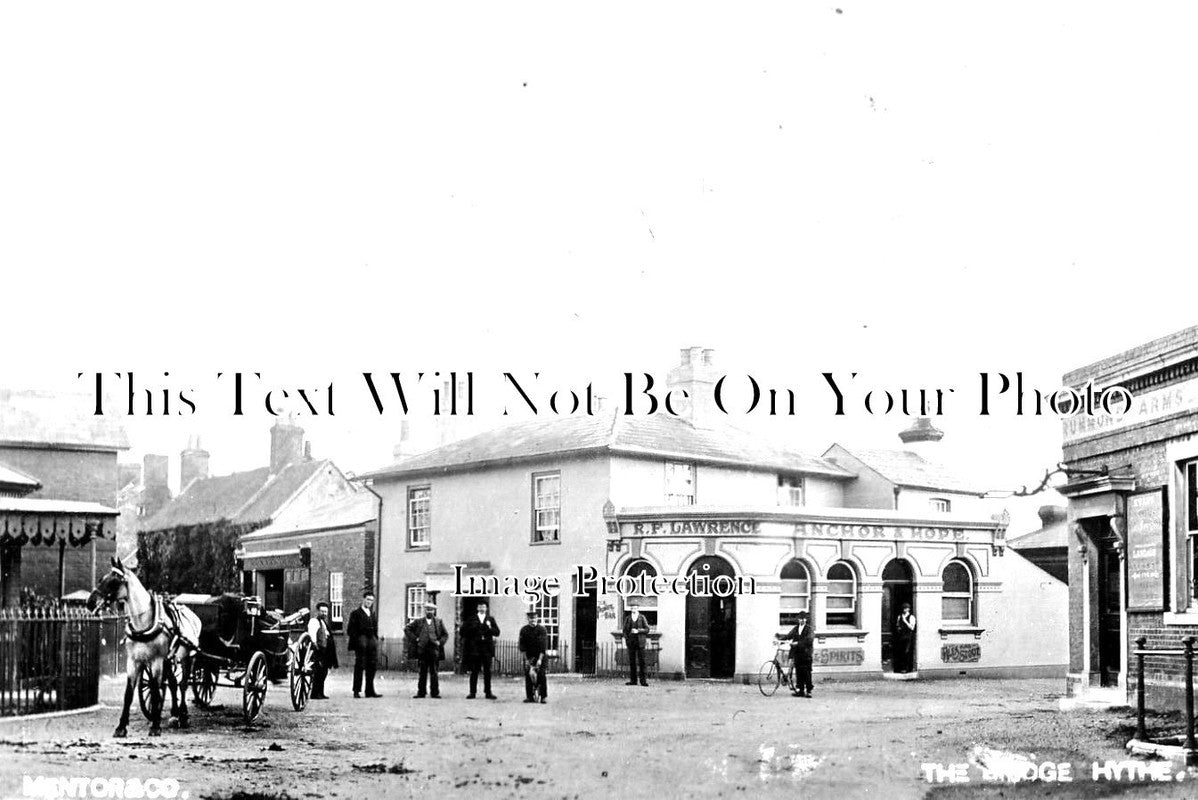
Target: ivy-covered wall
x=196, y=558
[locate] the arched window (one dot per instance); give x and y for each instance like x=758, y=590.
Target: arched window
x=796, y=593
x=647, y=603
x=956, y=605
x=842, y=595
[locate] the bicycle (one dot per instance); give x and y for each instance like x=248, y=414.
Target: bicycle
x=772, y=673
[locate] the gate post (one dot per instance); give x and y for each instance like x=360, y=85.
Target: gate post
x=1191, y=746
x=1141, y=734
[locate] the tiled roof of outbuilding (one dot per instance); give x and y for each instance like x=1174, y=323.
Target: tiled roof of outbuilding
x=15, y=477
x=658, y=435
x=355, y=509
x=242, y=498
x=905, y=468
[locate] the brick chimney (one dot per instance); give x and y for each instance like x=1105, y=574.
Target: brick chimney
x=155, y=491
x=193, y=463
x=696, y=375
x=154, y=470
x=286, y=445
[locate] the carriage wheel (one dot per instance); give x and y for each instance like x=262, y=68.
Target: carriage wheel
x=254, y=686
x=769, y=678
x=303, y=660
x=143, y=689
x=203, y=683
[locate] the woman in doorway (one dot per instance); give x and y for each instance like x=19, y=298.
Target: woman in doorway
x=904, y=640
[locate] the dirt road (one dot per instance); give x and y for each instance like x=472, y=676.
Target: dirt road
x=595, y=739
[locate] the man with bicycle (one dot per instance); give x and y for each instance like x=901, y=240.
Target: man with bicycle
x=801, y=653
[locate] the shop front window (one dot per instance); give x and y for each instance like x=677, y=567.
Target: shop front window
x=646, y=603
x=842, y=596
x=1189, y=477
x=796, y=593
x=956, y=604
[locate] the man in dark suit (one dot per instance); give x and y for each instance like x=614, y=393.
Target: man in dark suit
x=325, y=650
x=533, y=642
x=426, y=640
x=636, y=634
x=478, y=648
x=802, y=649
x=362, y=631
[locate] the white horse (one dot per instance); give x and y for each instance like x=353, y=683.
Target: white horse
x=156, y=630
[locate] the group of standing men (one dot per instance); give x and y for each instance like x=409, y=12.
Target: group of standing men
x=425, y=639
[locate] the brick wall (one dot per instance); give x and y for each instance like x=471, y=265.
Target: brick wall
x=1164, y=675
x=1143, y=449
x=66, y=475
x=344, y=553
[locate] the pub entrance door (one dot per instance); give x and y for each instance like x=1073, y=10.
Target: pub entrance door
x=711, y=626
x=586, y=621
x=898, y=587
x=1110, y=630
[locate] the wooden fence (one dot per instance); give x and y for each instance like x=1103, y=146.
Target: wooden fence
x=50, y=660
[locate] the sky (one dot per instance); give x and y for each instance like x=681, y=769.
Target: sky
x=915, y=194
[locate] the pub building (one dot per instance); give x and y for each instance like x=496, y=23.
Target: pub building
x=1132, y=496
x=847, y=536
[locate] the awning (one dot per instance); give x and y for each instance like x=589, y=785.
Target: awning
x=439, y=575
x=41, y=521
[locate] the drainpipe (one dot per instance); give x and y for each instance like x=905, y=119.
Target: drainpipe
x=897, y=489
x=378, y=551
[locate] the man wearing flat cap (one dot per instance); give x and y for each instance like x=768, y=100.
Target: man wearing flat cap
x=534, y=641
x=426, y=640
x=801, y=652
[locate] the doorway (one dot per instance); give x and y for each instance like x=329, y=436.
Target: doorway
x=586, y=621
x=898, y=587
x=711, y=625
x=1110, y=631
x=272, y=588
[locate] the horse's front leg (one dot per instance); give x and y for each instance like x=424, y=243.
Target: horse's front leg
x=156, y=697
x=130, y=682
x=179, y=691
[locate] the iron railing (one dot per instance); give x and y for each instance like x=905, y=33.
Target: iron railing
x=49, y=660
x=1187, y=652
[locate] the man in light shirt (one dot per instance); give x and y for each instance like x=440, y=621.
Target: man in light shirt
x=325, y=650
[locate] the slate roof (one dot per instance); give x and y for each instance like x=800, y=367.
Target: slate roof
x=242, y=498
x=658, y=435
x=344, y=512
x=33, y=417
x=1054, y=534
x=12, y=476
x=913, y=471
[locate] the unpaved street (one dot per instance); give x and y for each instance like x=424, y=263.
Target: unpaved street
x=593, y=739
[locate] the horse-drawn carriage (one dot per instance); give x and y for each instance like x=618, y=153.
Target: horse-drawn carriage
x=241, y=646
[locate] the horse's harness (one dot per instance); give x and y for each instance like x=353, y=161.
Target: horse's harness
x=153, y=631
x=158, y=608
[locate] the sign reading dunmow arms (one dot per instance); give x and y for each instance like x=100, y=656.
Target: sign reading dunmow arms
x=1145, y=407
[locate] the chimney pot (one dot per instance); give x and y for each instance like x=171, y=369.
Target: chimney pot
x=193, y=463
